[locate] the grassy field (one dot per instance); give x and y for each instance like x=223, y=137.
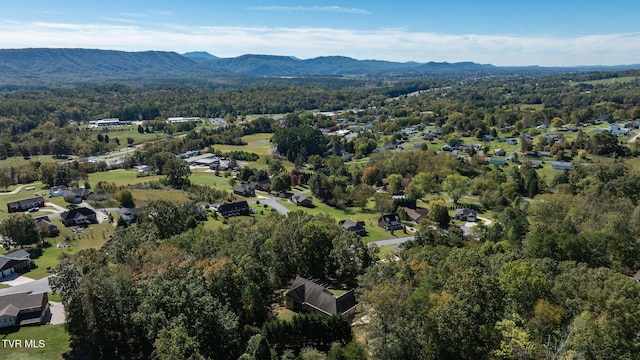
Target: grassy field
x=121, y=177
x=92, y=237
x=20, y=162
x=56, y=343
x=369, y=216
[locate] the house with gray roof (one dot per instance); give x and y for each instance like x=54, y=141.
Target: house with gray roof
x=128, y=215
x=308, y=296
x=15, y=262
x=23, y=309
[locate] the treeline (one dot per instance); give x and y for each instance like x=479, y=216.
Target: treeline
x=189, y=292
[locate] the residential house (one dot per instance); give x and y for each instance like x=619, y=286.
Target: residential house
x=128, y=215
x=25, y=204
x=466, y=214
x=263, y=185
x=44, y=222
x=301, y=200
x=79, y=216
x=55, y=191
x=234, y=209
x=18, y=261
x=309, y=296
x=512, y=142
x=244, y=190
x=416, y=215
x=636, y=277
x=497, y=161
x=500, y=152
x=24, y=309
x=356, y=227
x=390, y=222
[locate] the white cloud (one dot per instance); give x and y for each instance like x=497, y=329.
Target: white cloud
x=338, y=9
x=384, y=44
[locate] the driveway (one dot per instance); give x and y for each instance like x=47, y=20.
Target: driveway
x=15, y=280
x=17, y=190
x=57, y=313
x=273, y=202
x=396, y=241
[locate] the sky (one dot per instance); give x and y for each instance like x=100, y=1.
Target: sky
x=504, y=33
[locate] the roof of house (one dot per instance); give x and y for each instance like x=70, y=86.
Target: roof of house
x=466, y=212
x=242, y=188
x=351, y=224
x=18, y=254
x=416, y=213
x=77, y=213
x=235, y=206
x=12, y=304
x=82, y=192
x=319, y=297
x=637, y=276
x=300, y=198
x=28, y=201
x=124, y=213
x=390, y=218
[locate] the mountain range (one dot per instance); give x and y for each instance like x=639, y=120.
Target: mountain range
x=69, y=66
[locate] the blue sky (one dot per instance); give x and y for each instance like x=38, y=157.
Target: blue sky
x=500, y=32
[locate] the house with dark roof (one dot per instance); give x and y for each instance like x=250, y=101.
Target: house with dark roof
x=25, y=204
x=79, y=216
x=308, y=296
x=301, y=200
x=23, y=309
x=18, y=261
x=128, y=215
x=244, y=190
x=390, y=222
x=263, y=185
x=356, y=227
x=466, y=214
x=234, y=209
x=44, y=222
x=416, y=215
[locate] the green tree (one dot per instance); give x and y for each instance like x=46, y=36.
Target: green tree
x=176, y=344
x=456, y=186
x=440, y=214
x=395, y=183
x=281, y=183
x=125, y=197
x=21, y=228
x=177, y=172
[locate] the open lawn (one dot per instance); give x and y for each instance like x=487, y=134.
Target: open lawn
x=20, y=162
x=258, y=144
x=143, y=196
x=121, y=177
x=46, y=258
x=54, y=338
x=369, y=216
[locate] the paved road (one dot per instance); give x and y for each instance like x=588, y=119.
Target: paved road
x=395, y=241
x=17, y=190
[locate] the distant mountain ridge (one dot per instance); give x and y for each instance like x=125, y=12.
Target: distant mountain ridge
x=73, y=66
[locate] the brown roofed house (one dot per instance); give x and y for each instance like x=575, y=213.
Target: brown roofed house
x=353, y=226
x=301, y=200
x=307, y=296
x=23, y=309
x=416, y=215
